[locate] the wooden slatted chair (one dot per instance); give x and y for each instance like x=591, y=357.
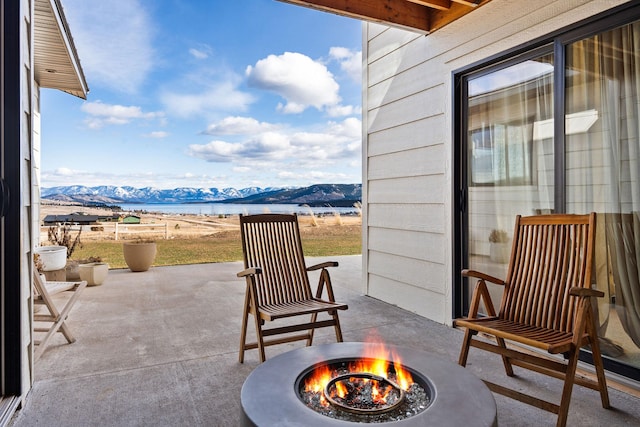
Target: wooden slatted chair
x=546, y=307
x=53, y=317
x=278, y=283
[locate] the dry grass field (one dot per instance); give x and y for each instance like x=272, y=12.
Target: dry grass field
x=194, y=239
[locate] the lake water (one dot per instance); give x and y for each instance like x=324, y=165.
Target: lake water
x=215, y=209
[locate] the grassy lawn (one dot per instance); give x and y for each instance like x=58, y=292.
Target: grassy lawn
x=224, y=247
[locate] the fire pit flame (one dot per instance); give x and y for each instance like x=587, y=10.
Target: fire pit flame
x=374, y=385
x=364, y=393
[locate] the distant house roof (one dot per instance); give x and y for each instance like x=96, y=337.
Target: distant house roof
x=56, y=61
x=78, y=218
x=81, y=219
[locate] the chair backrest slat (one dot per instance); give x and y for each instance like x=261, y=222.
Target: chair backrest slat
x=550, y=255
x=272, y=242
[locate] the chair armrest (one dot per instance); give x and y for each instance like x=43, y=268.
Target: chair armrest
x=251, y=271
x=483, y=276
x=323, y=265
x=585, y=292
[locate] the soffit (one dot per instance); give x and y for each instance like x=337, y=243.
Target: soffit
x=424, y=16
x=56, y=62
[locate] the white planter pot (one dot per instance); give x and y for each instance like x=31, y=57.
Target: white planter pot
x=52, y=257
x=95, y=273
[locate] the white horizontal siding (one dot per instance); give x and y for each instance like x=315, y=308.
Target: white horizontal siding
x=417, y=134
x=409, y=217
x=414, y=189
x=386, y=43
x=418, y=300
x=411, y=244
x=420, y=161
x=415, y=272
x=423, y=104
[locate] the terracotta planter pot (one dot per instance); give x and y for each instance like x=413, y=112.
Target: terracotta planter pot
x=95, y=273
x=139, y=256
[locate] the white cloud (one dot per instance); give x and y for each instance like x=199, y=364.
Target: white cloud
x=101, y=114
x=314, y=176
x=157, y=134
x=239, y=126
x=114, y=42
x=66, y=171
x=285, y=149
x=300, y=80
x=342, y=110
x=241, y=169
x=350, y=61
x=205, y=97
x=201, y=53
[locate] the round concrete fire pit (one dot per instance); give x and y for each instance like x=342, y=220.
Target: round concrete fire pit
x=270, y=395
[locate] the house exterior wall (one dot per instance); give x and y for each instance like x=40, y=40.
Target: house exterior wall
x=407, y=141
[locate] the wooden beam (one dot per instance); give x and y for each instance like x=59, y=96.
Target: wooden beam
x=424, y=16
x=471, y=3
x=440, y=18
x=398, y=13
x=436, y=4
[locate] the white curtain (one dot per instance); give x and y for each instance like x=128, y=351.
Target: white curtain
x=622, y=94
x=603, y=159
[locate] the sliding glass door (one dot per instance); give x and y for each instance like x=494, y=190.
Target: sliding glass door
x=517, y=158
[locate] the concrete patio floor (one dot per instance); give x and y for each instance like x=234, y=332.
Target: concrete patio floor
x=160, y=348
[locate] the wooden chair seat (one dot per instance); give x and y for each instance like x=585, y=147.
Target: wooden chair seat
x=272, y=312
x=546, y=339
x=277, y=284
x=547, y=304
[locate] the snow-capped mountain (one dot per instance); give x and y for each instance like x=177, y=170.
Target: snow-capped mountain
x=126, y=194
x=108, y=194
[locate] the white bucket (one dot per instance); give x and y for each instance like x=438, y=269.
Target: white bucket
x=52, y=257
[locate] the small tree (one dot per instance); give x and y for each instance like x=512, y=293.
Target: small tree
x=61, y=236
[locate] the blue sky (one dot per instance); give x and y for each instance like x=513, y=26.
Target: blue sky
x=202, y=93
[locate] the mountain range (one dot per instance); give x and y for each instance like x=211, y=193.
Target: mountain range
x=315, y=195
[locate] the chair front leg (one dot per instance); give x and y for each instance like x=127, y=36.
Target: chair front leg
x=473, y=312
x=245, y=321
x=314, y=317
x=337, y=327
x=486, y=297
x=464, y=351
x=481, y=294
x=597, y=356
x=253, y=304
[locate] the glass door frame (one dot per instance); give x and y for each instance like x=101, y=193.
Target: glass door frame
x=11, y=328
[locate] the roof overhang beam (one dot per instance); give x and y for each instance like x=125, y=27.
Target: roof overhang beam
x=423, y=16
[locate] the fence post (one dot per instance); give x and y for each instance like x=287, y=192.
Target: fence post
x=166, y=231
x=117, y=230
